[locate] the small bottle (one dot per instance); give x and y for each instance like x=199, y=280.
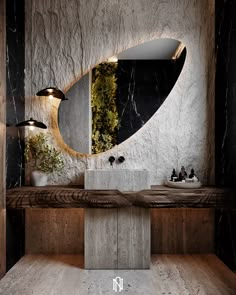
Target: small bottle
x=192, y=174
x=173, y=176
x=182, y=174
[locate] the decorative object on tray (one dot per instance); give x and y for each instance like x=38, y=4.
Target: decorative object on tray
x=182, y=174
x=42, y=157
x=183, y=181
x=174, y=176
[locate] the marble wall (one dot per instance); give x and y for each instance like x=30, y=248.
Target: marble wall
x=225, y=92
x=2, y=139
x=225, y=108
x=70, y=37
x=142, y=87
x=15, y=102
x=15, y=112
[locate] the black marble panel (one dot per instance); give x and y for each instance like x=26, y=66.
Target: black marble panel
x=226, y=236
x=142, y=87
x=225, y=125
x=15, y=236
x=225, y=92
x=15, y=111
x=15, y=102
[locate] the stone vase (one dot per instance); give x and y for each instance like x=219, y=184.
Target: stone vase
x=39, y=178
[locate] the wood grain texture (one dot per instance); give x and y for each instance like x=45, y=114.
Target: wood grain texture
x=169, y=274
x=160, y=197
x=2, y=138
x=64, y=197
x=54, y=231
x=178, y=231
x=100, y=239
x=164, y=197
x=134, y=239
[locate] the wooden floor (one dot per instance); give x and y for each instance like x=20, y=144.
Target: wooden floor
x=169, y=274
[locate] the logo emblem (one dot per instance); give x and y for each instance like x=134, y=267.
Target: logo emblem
x=117, y=284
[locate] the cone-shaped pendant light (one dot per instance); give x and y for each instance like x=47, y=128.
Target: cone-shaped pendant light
x=32, y=123
x=52, y=92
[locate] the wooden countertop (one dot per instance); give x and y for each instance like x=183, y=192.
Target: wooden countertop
x=158, y=197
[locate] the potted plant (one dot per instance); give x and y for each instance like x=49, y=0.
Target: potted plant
x=42, y=157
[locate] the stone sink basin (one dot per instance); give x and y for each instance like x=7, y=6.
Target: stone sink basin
x=120, y=179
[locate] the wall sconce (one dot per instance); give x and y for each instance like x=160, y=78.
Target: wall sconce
x=32, y=124
x=52, y=92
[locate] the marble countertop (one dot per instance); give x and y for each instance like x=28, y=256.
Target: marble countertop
x=157, y=197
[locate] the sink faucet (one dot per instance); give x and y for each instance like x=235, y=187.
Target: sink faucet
x=121, y=159
x=111, y=160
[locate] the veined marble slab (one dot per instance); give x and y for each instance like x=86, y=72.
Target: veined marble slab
x=121, y=179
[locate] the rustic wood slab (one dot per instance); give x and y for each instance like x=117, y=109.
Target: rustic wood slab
x=64, y=197
x=158, y=197
x=164, y=197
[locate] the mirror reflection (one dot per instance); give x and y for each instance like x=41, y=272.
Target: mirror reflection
x=117, y=97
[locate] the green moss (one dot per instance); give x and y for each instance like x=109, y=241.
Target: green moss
x=104, y=109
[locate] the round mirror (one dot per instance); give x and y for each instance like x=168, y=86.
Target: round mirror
x=117, y=97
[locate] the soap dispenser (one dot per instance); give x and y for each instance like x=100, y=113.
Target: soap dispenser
x=193, y=176
x=173, y=176
x=192, y=173
x=182, y=174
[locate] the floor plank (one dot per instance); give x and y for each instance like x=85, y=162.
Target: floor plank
x=168, y=275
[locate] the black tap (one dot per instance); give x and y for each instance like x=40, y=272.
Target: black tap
x=111, y=160
x=121, y=159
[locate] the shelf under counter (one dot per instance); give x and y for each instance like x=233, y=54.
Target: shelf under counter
x=157, y=197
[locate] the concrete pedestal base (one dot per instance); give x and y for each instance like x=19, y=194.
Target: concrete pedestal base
x=117, y=238
x=116, y=179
